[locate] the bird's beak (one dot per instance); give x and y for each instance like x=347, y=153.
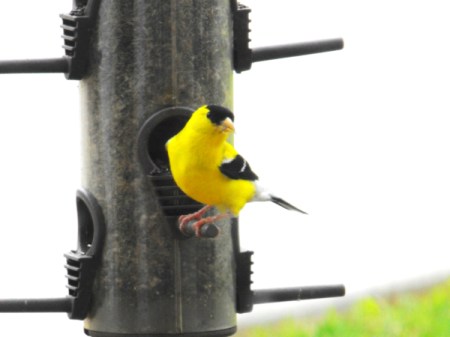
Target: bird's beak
x=227, y=125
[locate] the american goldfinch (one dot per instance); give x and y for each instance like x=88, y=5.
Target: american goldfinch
x=208, y=169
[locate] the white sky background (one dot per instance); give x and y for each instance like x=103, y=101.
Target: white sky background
x=357, y=138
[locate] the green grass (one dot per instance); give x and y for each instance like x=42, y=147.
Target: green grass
x=419, y=314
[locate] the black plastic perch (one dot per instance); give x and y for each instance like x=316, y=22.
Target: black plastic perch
x=247, y=297
x=296, y=49
x=297, y=294
x=209, y=230
x=37, y=305
x=77, y=29
x=57, y=65
x=244, y=56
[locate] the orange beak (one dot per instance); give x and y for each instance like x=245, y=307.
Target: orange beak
x=227, y=125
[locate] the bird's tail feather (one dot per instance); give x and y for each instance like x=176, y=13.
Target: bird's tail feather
x=285, y=204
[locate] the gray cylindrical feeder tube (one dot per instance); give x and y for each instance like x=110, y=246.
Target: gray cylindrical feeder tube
x=147, y=55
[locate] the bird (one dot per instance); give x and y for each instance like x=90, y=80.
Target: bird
x=209, y=170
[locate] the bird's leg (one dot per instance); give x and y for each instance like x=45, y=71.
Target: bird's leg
x=210, y=219
x=183, y=220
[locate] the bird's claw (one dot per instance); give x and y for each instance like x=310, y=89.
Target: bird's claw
x=193, y=216
x=185, y=225
x=205, y=228
x=194, y=224
x=182, y=224
x=197, y=229
x=202, y=228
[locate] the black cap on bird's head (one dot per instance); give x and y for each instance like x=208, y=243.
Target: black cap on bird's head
x=212, y=119
x=220, y=117
x=217, y=114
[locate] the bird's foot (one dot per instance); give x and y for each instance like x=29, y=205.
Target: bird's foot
x=183, y=220
x=199, y=226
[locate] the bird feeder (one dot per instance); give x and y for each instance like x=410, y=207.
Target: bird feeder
x=143, y=66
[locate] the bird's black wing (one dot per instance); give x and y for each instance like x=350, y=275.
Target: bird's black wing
x=238, y=168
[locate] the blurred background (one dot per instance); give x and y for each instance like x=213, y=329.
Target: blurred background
x=357, y=138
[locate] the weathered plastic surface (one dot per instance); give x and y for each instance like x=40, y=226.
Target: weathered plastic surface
x=147, y=55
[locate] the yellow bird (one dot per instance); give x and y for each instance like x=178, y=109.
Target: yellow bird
x=208, y=169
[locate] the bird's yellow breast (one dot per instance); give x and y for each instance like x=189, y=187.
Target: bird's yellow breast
x=195, y=160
